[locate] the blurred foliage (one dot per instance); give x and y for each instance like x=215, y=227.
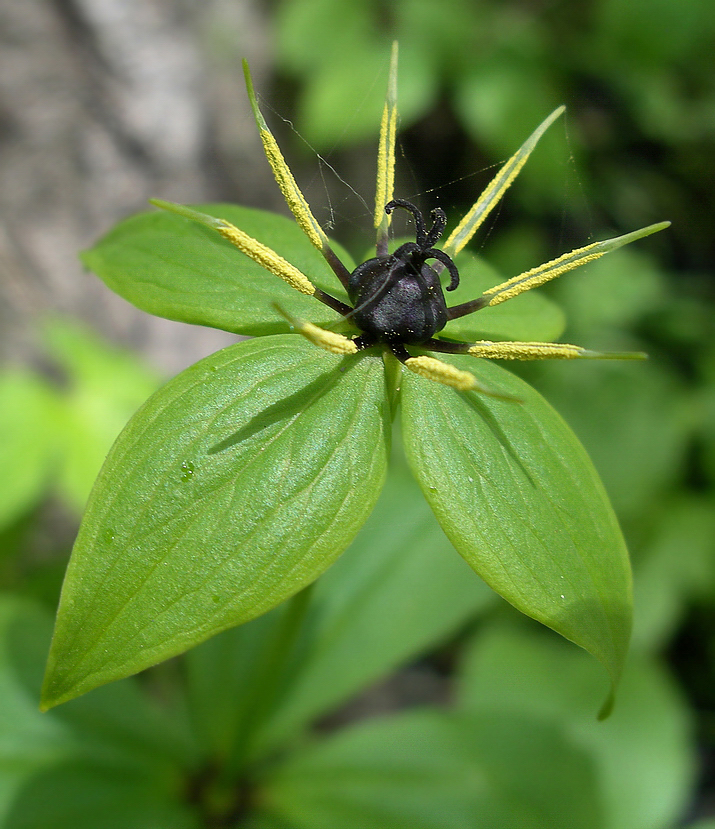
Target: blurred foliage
x=519, y=746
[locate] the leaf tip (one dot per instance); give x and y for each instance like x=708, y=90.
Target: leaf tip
x=608, y=705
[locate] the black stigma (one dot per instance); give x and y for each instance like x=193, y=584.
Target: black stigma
x=398, y=298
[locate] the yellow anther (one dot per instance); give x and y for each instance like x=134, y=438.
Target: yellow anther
x=440, y=372
x=295, y=200
x=266, y=258
x=329, y=340
x=567, y=262
x=496, y=188
x=526, y=351
x=386, y=149
x=544, y=273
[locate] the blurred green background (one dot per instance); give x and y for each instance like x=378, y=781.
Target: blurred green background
x=636, y=146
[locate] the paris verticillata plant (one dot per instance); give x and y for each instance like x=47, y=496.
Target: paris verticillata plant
x=246, y=476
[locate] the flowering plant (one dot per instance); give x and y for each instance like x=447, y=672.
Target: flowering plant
x=245, y=477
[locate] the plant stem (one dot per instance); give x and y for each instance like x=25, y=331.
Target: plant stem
x=269, y=682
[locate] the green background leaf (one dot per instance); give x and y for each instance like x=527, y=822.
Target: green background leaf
x=434, y=770
x=642, y=752
x=174, y=268
x=110, y=759
x=28, y=443
x=518, y=497
x=234, y=486
x=104, y=386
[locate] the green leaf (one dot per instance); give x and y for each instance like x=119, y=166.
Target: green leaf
x=399, y=590
x=175, y=268
x=677, y=565
x=104, y=387
x=432, y=770
x=643, y=752
x=84, y=795
x=107, y=760
x=519, y=498
x=28, y=443
x=236, y=484
x=530, y=316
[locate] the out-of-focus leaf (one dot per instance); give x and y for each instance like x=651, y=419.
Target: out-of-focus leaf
x=433, y=770
x=234, y=486
x=632, y=418
x=175, y=268
x=109, y=755
x=643, y=751
x=28, y=441
x=500, y=103
x=518, y=497
x=84, y=795
x=678, y=564
x=104, y=387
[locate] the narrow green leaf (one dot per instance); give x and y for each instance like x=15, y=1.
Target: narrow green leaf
x=519, y=498
x=172, y=267
x=433, y=770
x=643, y=752
x=385, y=188
x=235, y=485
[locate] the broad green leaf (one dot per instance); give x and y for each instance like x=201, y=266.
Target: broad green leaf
x=400, y=589
x=237, y=483
x=519, y=498
x=110, y=752
x=175, y=268
x=433, y=770
x=104, y=387
x=28, y=443
x=530, y=316
x=643, y=752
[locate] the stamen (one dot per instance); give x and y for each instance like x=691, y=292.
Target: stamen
x=433, y=369
x=260, y=253
x=292, y=194
x=327, y=340
x=386, y=157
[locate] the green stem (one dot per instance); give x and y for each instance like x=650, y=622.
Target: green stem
x=269, y=682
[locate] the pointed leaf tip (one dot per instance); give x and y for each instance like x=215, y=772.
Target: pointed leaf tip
x=189, y=213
